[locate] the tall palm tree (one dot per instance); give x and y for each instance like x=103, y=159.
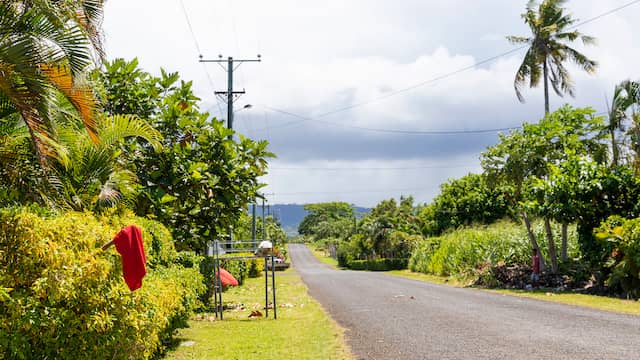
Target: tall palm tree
x=45, y=48
x=548, y=51
x=625, y=96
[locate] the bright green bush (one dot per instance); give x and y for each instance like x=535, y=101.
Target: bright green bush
x=621, y=237
x=188, y=259
x=245, y=268
x=64, y=298
x=378, y=264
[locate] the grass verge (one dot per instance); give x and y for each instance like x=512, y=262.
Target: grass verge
x=302, y=331
x=323, y=258
x=590, y=301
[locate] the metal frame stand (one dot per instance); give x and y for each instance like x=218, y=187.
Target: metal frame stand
x=229, y=248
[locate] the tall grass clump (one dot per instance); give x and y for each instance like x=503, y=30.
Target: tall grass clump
x=462, y=252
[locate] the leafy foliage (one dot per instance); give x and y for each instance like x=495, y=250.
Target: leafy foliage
x=327, y=220
x=64, y=297
x=464, y=201
x=45, y=48
x=621, y=237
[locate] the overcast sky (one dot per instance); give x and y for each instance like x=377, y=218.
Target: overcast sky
x=350, y=93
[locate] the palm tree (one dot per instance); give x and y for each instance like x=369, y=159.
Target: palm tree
x=550, y=29
x=89, y=175
x=625, y=95
x=45, y=49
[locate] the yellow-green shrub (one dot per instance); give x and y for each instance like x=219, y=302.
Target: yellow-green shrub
x=67, y=298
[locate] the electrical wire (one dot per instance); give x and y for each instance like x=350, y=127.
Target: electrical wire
x=347, y=192
x=197, y=45
x=394, y=131
x=372, y=168
x=428, y=82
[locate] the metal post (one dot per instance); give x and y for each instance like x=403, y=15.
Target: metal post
x=253, y=223
x=273, y=281
x=264, y=231
x=215, y=280
x=218, y=280
x=230, y=95
x=266, y=287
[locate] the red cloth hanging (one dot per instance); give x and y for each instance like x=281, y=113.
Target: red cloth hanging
x=129, y=244
x=227, y=279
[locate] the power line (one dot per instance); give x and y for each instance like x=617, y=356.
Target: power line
x=395, y=131
x=347, y=192
x=605, y=14
x=197, y=45
x=428, y=82
x=371, y=168
x=193, y=34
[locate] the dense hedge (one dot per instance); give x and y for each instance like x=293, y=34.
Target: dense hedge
x=62, y=297
x=621, y=239
x=378, y=264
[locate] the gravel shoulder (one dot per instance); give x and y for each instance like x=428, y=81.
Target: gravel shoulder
x=395, y=318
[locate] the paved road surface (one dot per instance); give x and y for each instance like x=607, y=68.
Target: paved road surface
x=395, y=318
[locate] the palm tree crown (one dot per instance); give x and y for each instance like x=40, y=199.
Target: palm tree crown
x=551, y=28
x=45, y=48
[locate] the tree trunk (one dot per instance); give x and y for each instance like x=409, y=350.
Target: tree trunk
x=546, y=87
x=532, y=238
x=614, y=146
x=551, y=246
x=563, y=255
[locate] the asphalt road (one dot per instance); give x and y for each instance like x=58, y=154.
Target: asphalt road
x=388, y=317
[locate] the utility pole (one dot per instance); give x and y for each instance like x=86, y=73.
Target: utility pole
x=229, y=94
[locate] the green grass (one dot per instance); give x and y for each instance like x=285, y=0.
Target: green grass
x=589, y=301
x=303, y=330
x=323, y=258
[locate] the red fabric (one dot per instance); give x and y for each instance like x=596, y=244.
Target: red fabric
x=227, y=279
x=536, y=264
x=129, y=244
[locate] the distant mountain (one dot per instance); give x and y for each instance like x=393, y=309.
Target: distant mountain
x=291, y=215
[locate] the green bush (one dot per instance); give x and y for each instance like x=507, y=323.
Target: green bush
x=378, y=264
x=64, y=298
x=622, y=238
x=188, y=259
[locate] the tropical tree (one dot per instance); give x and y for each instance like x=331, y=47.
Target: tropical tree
x=465, y=201
x=45, y=49
x=92, y=176
x=523, y=158
x=327, y=219
x=550, y=28
x=625, y=96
